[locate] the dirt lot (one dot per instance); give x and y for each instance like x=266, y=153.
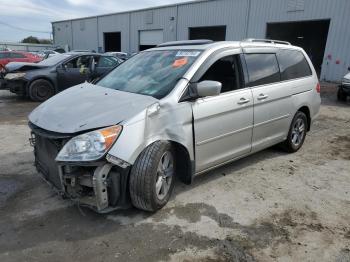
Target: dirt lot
x=270, y=206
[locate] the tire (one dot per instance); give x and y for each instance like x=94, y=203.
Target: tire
x=149, y=186
x=297, y=133
x=41, y=90
x=341, y=95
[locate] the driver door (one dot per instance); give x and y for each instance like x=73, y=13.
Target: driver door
x=223, y=124
x=74, y=72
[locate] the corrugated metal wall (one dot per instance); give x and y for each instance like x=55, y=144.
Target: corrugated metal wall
x=62, y=33
x=231, y=13
x=338, y=42
x=85, y=34
x=114, y=23
x=24, y=46
x=242, y=18
x=157, y=19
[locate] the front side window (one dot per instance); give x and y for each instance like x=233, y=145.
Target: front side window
x=226, y=70
x=153, y=73
x=106, y=61
x=79, y=62
x=262, y=69
x=293, y=64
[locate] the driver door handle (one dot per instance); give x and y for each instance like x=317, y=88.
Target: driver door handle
x=242, y=101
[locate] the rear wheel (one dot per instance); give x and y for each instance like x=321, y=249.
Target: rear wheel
x=41, y=90
x=152, y=177
x=341, y=94
x=297, y=133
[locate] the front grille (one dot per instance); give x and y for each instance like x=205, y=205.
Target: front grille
x=46, y=147
x=46, y=151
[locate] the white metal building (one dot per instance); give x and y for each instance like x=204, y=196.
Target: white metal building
x=28, y=47
x=321, y=27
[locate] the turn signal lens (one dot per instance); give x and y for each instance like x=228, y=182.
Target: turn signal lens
x=110, y=134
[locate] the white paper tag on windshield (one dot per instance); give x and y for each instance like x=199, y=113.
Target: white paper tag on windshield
x=188, y=53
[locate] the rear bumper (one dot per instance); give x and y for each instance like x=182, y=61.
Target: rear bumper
x=101, y=186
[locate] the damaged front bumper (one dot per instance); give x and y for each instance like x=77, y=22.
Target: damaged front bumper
x=17, y=86
x=99, y=185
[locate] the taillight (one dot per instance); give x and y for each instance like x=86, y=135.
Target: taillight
x=318, y=88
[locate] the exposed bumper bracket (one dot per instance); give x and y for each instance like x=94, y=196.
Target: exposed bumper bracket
x=99, y=182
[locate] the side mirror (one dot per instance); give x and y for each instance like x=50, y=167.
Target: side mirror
x=208, y=88
x=349, y=68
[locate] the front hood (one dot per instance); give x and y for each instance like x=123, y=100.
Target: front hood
x=87, y=106
x=15, y=66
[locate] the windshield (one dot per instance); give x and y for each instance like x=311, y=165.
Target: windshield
x=53, y=60
x=153, y=73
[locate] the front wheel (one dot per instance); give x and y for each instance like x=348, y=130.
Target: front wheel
x=152, y=177
x=41, y=90
x=297, y=133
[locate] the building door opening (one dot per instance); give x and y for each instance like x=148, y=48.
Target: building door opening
x=215, y=33
x=150, y=38
x=310, y=35
x=112, y=42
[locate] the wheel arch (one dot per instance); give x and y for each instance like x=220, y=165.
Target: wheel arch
x=184, y=165
x=305, y=109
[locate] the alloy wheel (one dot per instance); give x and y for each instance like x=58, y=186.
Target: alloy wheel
x=165, y=173
x=298, y=132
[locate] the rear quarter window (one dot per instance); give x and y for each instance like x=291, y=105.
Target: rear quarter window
x=293, y=64
x=262, y=69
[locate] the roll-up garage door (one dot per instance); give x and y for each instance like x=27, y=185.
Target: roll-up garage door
x=150, y=38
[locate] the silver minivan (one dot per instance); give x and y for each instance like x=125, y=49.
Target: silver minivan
x=176, y=110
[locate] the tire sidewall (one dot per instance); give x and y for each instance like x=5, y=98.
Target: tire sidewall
x=143, y=177
x=40, y=83
x=298, y=115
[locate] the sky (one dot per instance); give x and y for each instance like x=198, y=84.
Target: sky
x=22, y=18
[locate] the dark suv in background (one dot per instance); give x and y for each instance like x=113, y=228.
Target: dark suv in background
x=40, y=81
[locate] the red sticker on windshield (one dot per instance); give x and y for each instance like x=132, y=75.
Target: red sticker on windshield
x=180, y=62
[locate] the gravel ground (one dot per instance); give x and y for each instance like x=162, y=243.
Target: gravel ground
x=270, y=206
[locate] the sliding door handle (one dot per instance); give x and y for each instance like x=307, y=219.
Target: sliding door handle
x=262, y=97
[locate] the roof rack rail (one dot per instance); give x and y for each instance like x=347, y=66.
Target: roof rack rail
x=267, y=41
x=186, y=42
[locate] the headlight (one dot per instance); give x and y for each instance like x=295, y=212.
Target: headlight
x=10, y=76
x=89, y=146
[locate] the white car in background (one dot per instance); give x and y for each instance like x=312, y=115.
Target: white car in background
x=344, y=88
x=122, y=55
